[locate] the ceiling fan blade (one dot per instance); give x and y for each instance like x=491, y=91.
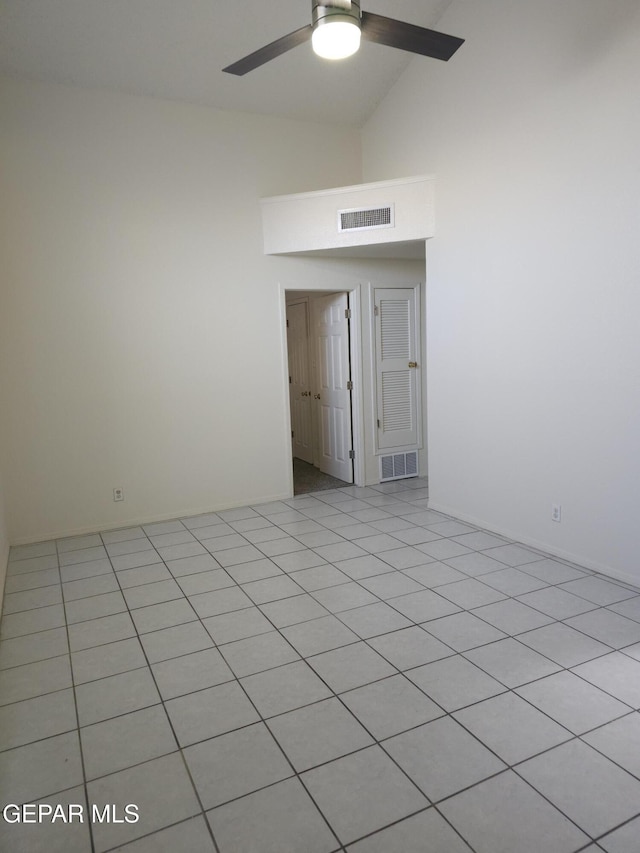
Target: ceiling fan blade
x=270, y=51
x=409, y=37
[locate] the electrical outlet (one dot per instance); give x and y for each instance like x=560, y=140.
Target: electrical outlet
x=118, y=495
x=556, y=513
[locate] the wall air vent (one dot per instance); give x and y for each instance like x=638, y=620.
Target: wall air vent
x=366, y=218
x=399, y=466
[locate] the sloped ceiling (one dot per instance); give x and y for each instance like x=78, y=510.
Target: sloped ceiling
x=176, y=49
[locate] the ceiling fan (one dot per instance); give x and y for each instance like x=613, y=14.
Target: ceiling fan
x=335, y=34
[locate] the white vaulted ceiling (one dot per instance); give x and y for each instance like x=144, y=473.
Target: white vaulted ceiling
x=176, y=49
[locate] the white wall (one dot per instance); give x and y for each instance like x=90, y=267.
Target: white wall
x=533, y=132
x=140, y=322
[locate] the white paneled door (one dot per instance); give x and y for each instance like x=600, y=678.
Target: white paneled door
x=333, y=395
x=397, y=368
x=300, y=381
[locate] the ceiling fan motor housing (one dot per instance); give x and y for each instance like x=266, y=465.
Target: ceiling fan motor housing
x=338, y=10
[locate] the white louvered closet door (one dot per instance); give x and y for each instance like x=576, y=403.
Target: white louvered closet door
x=397, y=353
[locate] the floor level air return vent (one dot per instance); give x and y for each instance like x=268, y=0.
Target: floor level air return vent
x=366, y=218
x=399, y=466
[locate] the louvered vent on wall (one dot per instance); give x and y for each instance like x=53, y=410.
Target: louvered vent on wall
x=399, y=466
x=366, y=218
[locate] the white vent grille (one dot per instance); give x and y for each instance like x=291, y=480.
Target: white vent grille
x=366, y=218
x=399, y=466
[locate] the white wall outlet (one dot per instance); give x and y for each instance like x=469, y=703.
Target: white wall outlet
x=118, y=495
x=556, y=513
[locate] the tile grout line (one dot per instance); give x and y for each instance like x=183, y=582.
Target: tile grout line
x=77, y=716
x=170, y=723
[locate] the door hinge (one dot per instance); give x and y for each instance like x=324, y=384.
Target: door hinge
x=347, y=313
x=378, y=423
x=292, y=433
x=352, y=454
x=375, y=310
x=289, y=380
x=349, y=385
x=287, y=323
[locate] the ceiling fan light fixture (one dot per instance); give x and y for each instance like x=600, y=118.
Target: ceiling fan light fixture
x=335, y=30
x=336, y=38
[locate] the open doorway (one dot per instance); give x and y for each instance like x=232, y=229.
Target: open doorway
x=320, y=390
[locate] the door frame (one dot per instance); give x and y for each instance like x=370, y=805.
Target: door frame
x=355, y=353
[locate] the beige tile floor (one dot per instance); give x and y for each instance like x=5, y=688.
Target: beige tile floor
x=343, y=671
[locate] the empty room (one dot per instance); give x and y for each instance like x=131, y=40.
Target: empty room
x=319, y=419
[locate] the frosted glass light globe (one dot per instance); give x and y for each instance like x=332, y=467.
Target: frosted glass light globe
x=336, y=39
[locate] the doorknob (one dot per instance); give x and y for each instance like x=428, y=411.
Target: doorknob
x=413, y=364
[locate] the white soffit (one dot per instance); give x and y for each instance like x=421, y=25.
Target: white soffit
x=309, y=222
